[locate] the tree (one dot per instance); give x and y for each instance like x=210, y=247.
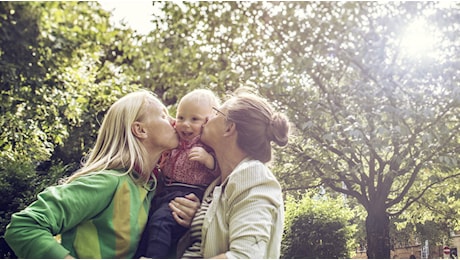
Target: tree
x=59, y=70
x=184, y=52
x=42, y=49
x=376, y=125
x=62, y=66
x=373, y=122
x=434, y=216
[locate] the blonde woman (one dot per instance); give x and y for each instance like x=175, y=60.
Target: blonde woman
x=102, y=209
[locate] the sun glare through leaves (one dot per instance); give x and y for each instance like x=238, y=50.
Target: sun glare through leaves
x=419, y=39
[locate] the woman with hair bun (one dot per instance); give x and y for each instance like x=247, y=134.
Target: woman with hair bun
x=241, y=215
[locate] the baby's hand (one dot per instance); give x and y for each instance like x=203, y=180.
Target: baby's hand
x=200, y=155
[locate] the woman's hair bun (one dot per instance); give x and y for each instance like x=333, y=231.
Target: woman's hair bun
x=278, y=129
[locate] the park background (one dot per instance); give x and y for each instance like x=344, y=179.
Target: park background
x=371, y=88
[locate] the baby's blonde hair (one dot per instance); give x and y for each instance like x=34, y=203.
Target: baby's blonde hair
x=203, y=96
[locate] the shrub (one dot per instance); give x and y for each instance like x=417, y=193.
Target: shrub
x=318, y=227
x=20, y=182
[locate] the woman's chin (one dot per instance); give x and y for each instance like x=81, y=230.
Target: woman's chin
x=175, y=143
x=203, y=139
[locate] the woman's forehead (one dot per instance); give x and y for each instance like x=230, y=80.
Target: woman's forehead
x=155, y=101
x=227, y=104
x=156, y=105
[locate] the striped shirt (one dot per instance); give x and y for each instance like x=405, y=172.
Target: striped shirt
x=194, y=251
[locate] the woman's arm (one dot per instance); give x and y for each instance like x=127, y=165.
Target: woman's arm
x=31, y=231
x=254, y=213
x=184, y=209
x=250, y=226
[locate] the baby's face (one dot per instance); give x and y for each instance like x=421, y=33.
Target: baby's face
x=190, y=117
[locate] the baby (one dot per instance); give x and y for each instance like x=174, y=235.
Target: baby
x=189, y=168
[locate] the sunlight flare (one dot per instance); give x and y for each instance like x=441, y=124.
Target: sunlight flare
x=419, y=39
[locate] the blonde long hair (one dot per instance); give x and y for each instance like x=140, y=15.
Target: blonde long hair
x=116, y=146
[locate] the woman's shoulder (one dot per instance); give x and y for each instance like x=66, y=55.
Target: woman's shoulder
x=102, y=178
x=250, y=173
x=253, y=178
x=252, y=167
x=101, y=184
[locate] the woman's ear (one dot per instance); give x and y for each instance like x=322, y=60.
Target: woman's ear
x=138, y=130
x=230, y=129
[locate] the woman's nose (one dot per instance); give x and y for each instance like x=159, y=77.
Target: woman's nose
x=205, y=122
x=172, y=121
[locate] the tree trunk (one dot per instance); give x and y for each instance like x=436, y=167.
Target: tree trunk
x=378, y=235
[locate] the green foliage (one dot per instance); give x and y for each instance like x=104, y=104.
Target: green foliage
x=21, y=73
x=371, y=121
x=183, y=52
x=20, y=182
x=60, y=69
x=62, y=66
x=434, y=215
x=437, y=233
x=318, y=227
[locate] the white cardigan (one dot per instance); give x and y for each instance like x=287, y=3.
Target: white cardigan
x=245, y=218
